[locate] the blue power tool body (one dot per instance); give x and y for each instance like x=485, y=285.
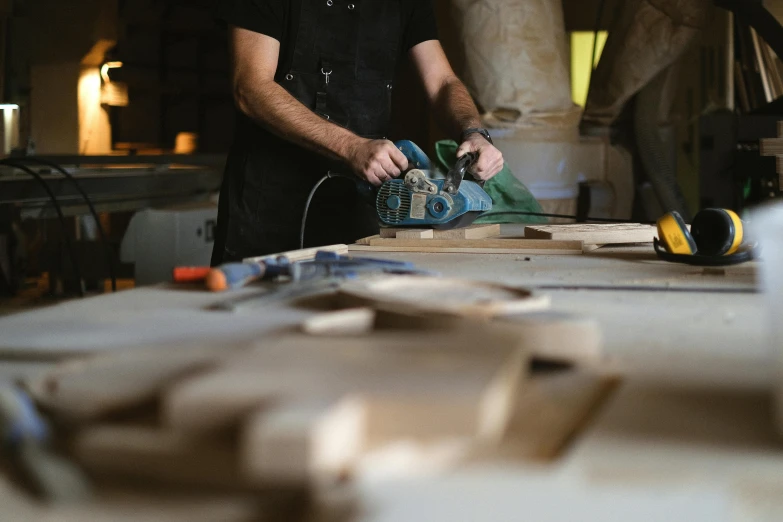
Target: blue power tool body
x=417, y=200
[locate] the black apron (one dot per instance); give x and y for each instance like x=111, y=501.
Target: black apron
x=343, y=66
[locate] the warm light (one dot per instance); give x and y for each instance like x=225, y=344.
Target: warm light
x=7, y=106
x=581, y=66
x=105, y=70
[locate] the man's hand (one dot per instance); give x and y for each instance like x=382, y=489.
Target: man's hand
x=377, y=161
x=490, y=160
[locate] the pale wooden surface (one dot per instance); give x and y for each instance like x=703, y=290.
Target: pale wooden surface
x=594, y=234
x=660, y=324
x=471, y=232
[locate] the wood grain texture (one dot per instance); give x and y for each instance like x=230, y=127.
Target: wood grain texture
x=595, y=234
x=771, y=146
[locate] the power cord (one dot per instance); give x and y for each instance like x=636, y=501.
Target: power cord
x=323, y=180
x=87, y=200
x=72, y=253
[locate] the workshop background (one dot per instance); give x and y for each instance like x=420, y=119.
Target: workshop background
x=117, y=80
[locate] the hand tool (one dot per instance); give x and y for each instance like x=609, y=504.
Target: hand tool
x=417, y=200
x=190, y=274
x=233, y=276
x=25, y=439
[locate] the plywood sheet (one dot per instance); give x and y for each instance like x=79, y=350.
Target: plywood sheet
x=595, y=234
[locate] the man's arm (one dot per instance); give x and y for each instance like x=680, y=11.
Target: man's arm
x=454, y=106
x=257, y=95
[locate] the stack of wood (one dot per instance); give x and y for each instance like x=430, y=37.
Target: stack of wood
x=286, y=419
x=486, y=239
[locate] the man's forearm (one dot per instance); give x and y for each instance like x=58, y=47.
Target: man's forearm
x=271, y=106
x=455, y=109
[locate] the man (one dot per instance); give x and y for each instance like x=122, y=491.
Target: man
x=313, y=81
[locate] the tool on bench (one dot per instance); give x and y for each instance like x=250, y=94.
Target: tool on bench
x=417, y=200
x=25, y=439
x=325, y=265
x=715, y=238
x=190, y=274
x=323, y=275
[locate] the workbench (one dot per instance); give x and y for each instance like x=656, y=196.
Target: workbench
x=687, y=435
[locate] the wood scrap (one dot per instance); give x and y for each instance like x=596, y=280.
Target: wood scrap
x=353, y=321
x=423, y=295
x=560, y=337
x=304, y=442
x=88, y=389
x=471, y=232
x=595, y=234
x=453, y=383
x=160, y=455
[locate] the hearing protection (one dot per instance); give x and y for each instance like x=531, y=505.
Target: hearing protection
x=714, y=239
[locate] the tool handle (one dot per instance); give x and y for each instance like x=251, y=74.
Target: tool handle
x=190, y=274
x=232, y=276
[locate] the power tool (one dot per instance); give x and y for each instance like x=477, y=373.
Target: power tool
x=417, y=200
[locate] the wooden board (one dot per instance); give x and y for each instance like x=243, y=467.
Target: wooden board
x=303, y=442
x=434, y=295
x=471, y=232
x=595, y=234
x=472, y=251
x=440, y=245
x=456, y=383
x=85, y=390
x=771, y=146
x=560, y=337
x=156, y=454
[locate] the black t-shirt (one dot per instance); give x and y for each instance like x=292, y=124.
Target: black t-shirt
x=279, y=19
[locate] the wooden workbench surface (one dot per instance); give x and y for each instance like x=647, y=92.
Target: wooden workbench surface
x=665, y=327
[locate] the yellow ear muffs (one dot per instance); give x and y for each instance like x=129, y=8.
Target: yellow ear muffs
x=717, y=232
x=674, y=235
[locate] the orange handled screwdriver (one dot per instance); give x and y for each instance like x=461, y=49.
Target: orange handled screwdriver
x=190, y=274
x=232, y=276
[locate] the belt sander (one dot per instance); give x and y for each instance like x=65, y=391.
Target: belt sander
x=418, y=200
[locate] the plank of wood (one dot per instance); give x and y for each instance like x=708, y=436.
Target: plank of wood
x=306, y=442
x=595, y=234
x=407, y=233
x=474, y=251
x=354, y=321
x=163, y=456
x=434, y=295
x=520, y=244
x=365, y=241
x=771, y=146
x=561, y=337
x=780, y=129
x=85, y=390
x=471, y=232
x=301, y=255
x=453, y=383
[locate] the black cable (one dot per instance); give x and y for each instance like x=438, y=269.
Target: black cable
x=72, y=253
x=87, y=200
x=329, y=176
